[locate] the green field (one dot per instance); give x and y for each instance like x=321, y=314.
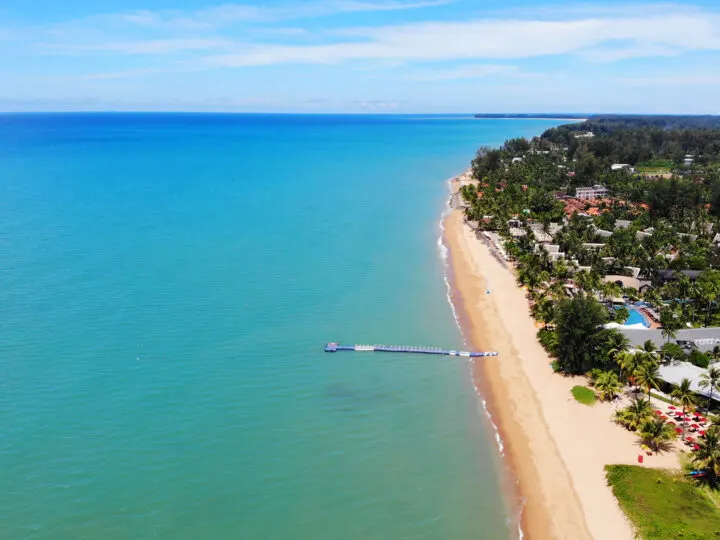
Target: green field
x=663, y=504
x=584, y=395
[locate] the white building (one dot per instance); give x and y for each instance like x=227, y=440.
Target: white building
x=595, y=192
x=620, y=166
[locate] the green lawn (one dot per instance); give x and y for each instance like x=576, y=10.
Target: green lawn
x=584, y=395
x=662, y=504
x=654, y=170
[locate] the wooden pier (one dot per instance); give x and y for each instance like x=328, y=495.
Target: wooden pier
x=335, y=347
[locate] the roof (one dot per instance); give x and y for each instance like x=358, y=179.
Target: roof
x=622, y=223
x=670, y=275
x=705, y=339
x=677, y=371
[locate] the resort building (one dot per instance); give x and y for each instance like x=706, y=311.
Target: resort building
x=595, y=192
x=621, y=166
x=675, y=372
x=704, y=339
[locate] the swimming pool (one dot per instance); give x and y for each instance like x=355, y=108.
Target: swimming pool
x=636, y=318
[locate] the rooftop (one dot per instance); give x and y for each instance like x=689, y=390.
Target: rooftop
x=677, y=371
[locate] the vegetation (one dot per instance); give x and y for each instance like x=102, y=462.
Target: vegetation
x=711, y=382
x=707, y=456
x=635, y=414
x=663, y=505
x=683, y=395
x=655, y=433
x=584, y=395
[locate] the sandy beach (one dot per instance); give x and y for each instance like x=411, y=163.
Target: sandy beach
x=556, y=448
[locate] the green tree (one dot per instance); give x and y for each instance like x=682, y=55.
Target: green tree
x=608, y=385
x=654, y=432
x=707, y=456
x=673, y=352
x=711, y=380
x=648, y=376
x=578, y=321
x=635, y=414
x=683, y=395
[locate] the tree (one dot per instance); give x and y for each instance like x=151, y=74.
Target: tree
x=648, y=376
x=654, y=432
x=707, y=456
x=578, y=321
x=608, y=385
x=671, y=323
x=635, y=414
x=673, y=352
x=683, y=396
x=711, y=380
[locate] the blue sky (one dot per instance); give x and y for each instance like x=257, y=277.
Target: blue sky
x=360, y=56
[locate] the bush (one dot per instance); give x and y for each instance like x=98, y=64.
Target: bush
x=699, y=359
x=548, y=339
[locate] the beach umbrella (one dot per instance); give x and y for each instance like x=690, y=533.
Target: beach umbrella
x=678, y=430
x=696, y=447
x=671, y=407
x=695, y=426
x=658, y=412
x=701, y=433
x=671, y=423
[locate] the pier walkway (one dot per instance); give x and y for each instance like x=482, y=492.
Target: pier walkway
x=335, y=347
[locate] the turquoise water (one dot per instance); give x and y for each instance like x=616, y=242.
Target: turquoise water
x=636, y=318
x=169, y=283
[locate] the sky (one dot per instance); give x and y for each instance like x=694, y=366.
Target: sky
x=360, y=56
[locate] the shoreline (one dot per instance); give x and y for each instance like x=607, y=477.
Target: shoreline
x=555, y=448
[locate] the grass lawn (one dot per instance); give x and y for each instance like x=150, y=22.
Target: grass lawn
x=654, y=170
x=584, y=395
x=663, y=504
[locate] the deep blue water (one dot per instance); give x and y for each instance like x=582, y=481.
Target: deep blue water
x=168, y=285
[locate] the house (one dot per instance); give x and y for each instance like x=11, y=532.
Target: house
x=622, y=223
x=584, y=135
x=689, y=158
x=595, y=192
x=621, y=166
x=517, y=160
x=671, y=275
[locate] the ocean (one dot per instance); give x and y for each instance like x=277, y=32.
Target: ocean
x=169, y=282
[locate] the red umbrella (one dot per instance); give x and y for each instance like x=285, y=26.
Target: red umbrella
x=671, y=407
x=696, y=447
x=658, y=412
x=695, y=426
x=671, y=423
x=678, y=430
x=702, y=433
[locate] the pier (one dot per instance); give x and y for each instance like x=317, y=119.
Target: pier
x=335, y=347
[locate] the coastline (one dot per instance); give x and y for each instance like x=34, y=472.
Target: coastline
x=555, y=448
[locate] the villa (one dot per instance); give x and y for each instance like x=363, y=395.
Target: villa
x=595, y=192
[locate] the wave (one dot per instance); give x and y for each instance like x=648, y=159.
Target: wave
x=444, y=253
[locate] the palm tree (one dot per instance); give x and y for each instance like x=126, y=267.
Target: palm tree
x=635, y=414
x=710, y=379
x=656, y=431
x=707, y=457
x=648, y=376
x=630, y=364
x=608, y=385
x=683, y=395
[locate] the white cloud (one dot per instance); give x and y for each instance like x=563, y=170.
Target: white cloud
x=140, y=47
x=497, y=39
x=476, y=71
x=224, y=15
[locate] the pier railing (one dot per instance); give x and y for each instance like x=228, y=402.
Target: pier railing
x=335, y=347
